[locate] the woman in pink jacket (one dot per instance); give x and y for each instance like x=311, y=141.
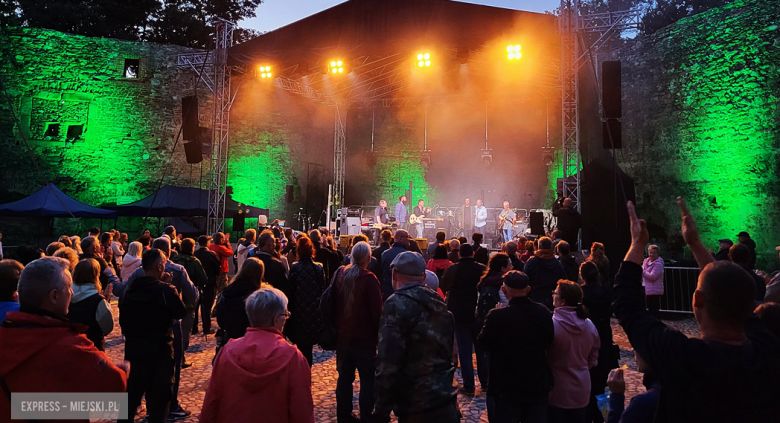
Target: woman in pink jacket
x=574, y=351
x=653, y=280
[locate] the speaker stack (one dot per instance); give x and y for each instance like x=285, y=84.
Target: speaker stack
x=613, y=105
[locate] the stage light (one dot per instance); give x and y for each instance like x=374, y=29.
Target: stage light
x=487, y=158
x=425, y=160
x=336, y=67
x=424, y=60
x=513, y=52
x=265, y=72
x=548, y=155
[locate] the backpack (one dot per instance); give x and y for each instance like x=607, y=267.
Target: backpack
x=488, y=300
x=326, y=338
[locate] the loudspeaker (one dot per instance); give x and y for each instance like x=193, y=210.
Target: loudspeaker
x=193, y=152
x=615, y=128
x=610, y=90
x=288, y=196
x=238, y=222
x=189, y=118
x=536, y=222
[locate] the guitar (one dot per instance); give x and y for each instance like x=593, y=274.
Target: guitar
x=502, y=219
x=414, y=219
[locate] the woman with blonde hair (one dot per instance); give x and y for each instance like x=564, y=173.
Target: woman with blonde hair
x=231, y=316
x=132, y=259
x=88, y=306
x=599, y=258
x=76, y=243
x=68, y=254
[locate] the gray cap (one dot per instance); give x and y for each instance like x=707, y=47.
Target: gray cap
x=409, y=263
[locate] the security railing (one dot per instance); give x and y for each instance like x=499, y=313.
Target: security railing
x=679, y=285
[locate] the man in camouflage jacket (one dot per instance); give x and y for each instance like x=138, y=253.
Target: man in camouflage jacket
x=415, y=370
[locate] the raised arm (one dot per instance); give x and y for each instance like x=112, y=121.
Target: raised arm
x=691, y=236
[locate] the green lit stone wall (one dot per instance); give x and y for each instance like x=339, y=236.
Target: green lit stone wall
x=701, y=120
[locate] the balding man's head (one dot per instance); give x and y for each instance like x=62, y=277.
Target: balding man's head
x=568, y=203
x=163, y=244
x=725, y=295
x=46, y=284
x=402, y=237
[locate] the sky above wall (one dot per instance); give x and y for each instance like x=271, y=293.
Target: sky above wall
x=273, y=14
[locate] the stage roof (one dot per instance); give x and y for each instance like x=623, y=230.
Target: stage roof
x=378, y=41
x=49, y=201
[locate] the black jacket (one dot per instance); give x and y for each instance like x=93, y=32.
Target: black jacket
x=275, y=273
x=752, y=245
x=481, y=254
x=387, y=273
x=329, y=259
x=307, y=281
x=517, y=338
x=231, y=315
x=598, y=301
x=146, y=314
x=544, y=272
x=702, y=380
x=459, y=285
x=210, y=263
x=569, y=223
x=722, y=255
x=377, y=254
x=570, y=267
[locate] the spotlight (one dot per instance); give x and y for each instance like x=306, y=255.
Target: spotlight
x=336, y=67
x=548, y=155
x=425, y=159
x=424, y=60
x=265, y=72
x=513, y=52
x=487, y=158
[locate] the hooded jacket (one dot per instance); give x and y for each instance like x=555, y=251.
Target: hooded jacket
x=129, y=264
x=223, y=251
x=543, y=271
x=89, y=308
x=575, y=349
x=43, y=353
x=260, y=377
x=230, y=312
x=211, y=265
x=571, y=267
x=438, y=266
x=193, y=267
x=242, y=251
x=415, y=370
x=653, y=276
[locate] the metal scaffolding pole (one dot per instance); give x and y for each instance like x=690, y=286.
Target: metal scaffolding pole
x=339, y=155
x=570, y=148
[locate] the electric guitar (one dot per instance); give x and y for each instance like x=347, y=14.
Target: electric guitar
x=502, y=219
x=414, y=219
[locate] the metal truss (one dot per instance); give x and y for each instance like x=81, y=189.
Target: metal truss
x=574, y=53
x=215, y=73
x=339, y=155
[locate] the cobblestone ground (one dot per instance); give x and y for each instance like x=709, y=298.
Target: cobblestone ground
x=194, y=380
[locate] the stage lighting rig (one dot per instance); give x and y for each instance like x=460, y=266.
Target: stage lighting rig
x=336, y=67
x=265, y=72
x=513, y=52
x=425, y=159
x=487, y=157
x=424, y=60
x=548, y=155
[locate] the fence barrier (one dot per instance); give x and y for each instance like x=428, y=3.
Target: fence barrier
x=679, y=286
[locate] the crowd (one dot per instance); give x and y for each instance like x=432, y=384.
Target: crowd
x=535, y=318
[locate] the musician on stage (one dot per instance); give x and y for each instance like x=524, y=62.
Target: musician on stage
x=507, y=220
x=420, y=211
x=466, y=218
x=480, y=217
x=400, y=212
x=380, y=218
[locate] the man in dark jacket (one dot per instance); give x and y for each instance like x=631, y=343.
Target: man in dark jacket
x=517, y=338
x=386, y=237
x=544, y=271
x=415, y=372
x=740, y=255
x=147, y=311
x=329, y=259
x=569, y=220
x=399, y=246
x=744, y=238
x=208, y=292
x=194, y=269
x=511, y=251
x=481, y=254
x=275, y=273
x=90, y=248
x=568, y=261
x=723, y=252
x=729, y=374
x=440, y=237
x=459, y=284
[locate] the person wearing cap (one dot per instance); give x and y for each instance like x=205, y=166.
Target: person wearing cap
x=723, y=252
x=415, y=371
x=517, y=338
x=744, y=238
x=459, y=284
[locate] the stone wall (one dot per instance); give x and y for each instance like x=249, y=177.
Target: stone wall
x=700, y=119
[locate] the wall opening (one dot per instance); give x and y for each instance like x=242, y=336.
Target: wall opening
x=74, y=132
x=131, y=68
x=52, y=130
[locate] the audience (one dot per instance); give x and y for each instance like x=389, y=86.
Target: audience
x=740, y=255
x=400, y=245
x=68, y=254
x=307, y=282
x=88, y=305
x=229, y=310
x=211, y=265
x=454, y=250
x=481, y=254
x=131, y=260
x=599, y=257
x=653, y=280
x=53, y=247
x=568, y=261
x=642, y=407
x=544, y=272
x=439, y=261
x=9, y=282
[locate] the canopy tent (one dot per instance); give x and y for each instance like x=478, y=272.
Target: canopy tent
x=49, y=201
x=173, y=201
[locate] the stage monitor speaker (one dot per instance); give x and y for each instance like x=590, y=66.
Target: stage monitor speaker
x=350, y=226
x=238, y=222
x=288, y=196
x=610, y=90
x=537, y=223
x=614, y=132
x=422, y=243
x=189, y=118
x=193, y=152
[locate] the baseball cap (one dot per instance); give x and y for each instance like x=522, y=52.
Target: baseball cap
x=466, y=250
x=743, y=233
x=409, y=263
x=516, y=279
x=727, y=241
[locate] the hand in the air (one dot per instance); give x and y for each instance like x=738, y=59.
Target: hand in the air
x=689, y=231
x=639, y=234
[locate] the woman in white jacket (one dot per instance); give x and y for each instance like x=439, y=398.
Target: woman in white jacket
x=132, y=259
x=653, y=280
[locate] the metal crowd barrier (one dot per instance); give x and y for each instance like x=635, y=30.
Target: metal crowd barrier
x=679, y=285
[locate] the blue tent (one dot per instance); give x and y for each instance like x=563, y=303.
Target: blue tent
x=171, y=201
x=49, y=201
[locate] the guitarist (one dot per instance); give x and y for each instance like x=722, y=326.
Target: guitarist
x=380, y=219
x=507, y=222
x=420, y=212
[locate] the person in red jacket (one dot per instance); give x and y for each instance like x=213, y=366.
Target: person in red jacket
x=220, y=245
x=260, y=374
x=44, y=352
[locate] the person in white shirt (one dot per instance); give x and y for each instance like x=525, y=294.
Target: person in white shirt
x=480, y=217
x=245, y=247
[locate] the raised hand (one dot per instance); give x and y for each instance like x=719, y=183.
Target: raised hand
x=639, y=234
x=690, y=234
